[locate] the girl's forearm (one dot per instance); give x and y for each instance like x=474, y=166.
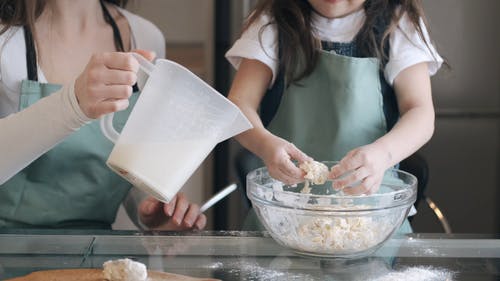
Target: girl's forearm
x=253, y=139
x=410, y=133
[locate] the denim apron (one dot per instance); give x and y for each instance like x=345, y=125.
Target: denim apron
x=343, y=104
x=70, y=186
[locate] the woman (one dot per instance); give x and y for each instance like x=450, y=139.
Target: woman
x=63, y=65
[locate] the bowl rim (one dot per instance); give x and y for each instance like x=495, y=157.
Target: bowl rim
x=404, y=196
x=318, y=209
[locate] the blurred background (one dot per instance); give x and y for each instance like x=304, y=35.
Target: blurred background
x=463, y=156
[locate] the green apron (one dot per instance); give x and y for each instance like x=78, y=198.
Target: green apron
x=70, y=186
x=335, y=109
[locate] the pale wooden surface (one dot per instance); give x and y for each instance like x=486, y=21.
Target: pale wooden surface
x=93, y=274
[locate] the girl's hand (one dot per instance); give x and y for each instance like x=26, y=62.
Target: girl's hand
x=278, y=155
x=361, y=171
x=178, y=214
x=106, y=83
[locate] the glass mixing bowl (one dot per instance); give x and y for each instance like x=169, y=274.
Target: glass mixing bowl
x=328, y=223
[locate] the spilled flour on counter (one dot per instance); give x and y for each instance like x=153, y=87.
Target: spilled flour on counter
x=247, y=270
x=419, y=273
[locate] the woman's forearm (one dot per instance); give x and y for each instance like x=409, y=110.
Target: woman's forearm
x=29, y=133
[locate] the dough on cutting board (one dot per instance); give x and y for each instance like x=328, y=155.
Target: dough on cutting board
x=125, y=270
x=95, y=274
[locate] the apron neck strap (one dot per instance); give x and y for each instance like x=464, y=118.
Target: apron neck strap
x=116, y=31
x=31, y=57
x=31, y=64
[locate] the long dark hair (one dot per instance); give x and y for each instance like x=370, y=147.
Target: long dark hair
x=25, y=12
x=298, y=44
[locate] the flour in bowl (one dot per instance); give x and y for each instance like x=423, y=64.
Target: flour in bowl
x=342, y=234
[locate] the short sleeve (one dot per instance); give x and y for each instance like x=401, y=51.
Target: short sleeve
x=258, y=42
x=407, y=48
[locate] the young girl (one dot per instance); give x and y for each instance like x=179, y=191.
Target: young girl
x=343, y=80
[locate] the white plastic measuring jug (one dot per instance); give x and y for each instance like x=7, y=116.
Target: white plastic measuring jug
x=176, y=122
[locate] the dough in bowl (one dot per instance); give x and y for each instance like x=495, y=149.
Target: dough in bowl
x=316, y=173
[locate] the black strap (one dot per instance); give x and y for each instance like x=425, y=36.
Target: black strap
x=31, y=65
x=272, y=98
x=31, y=59
x=116, y=34
x=116, y=31
x=391, y=109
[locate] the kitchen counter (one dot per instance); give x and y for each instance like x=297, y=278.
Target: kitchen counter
x=237, y=255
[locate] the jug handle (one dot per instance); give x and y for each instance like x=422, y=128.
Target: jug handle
x=106, y=123
x=144, y=64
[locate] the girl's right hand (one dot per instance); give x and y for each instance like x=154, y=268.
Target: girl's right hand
x=278, y=155
x=106, y=83
x=178, y=214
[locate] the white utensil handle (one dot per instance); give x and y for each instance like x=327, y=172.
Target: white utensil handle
x=217, y=197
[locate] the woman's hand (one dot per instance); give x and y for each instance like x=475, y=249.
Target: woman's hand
x=178, y=214
x=106, y=83
x=278, y=155
x=361, y=171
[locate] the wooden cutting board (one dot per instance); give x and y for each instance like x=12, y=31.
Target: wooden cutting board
x=97, y=275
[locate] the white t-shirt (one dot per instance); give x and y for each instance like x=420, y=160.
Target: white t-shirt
x=26, y=135
x=406, y=47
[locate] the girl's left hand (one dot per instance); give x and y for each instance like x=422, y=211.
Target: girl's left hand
x=178, y=214
x=361, y=171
